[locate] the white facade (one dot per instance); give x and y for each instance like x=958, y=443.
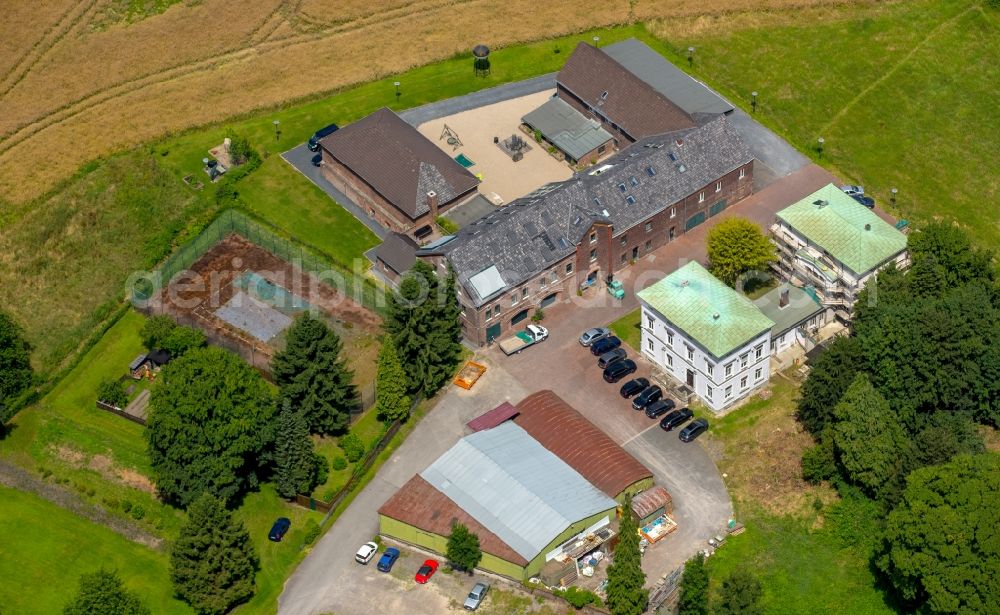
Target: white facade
x=719, y=382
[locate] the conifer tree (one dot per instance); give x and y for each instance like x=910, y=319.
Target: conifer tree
x=391, y=400
x=102, y=593
x=294, y=455
x=626, y=595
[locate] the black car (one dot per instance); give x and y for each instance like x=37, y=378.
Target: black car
x=618, y=370
x=649, y=395
x=319, y=134
x=867, y=201
x=317, y=160
x=633, y=387
x=695, y=429
x=610, y=357
x=604, y=345
x=279, y=529
x=675, y=418
x=658, y=408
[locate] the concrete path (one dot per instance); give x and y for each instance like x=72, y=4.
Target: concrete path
x=432, y=111
x=301, y=159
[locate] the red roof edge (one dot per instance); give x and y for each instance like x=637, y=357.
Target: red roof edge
x=492, y=418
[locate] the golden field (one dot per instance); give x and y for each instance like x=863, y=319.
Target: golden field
x=75, y=88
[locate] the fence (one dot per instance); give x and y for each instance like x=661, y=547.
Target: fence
x=116, y=410
x=665, y=593
x=232, y=221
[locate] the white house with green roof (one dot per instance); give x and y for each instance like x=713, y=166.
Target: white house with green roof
x=706, y=336
x=834, y=244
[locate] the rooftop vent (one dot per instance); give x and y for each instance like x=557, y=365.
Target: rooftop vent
x=820, y=203
x=868, y=227
x=715, y=316
x=681, y=167
x=684, y=282
x=783, y=298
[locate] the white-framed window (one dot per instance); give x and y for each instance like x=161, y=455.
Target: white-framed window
x=670, y=360
x=624, y=258
x=554, y=277
x=593, y=255
x=759, y=351
x=650, y=344
x=624, y=239
x=569, y=268
x=496, y=310
x=543, y=281
x=489, y=312
x=758, y=374
x=648, y=246
x=718, y=186
x=709, y=367
x=743, y=382
x=593, y=237
x=708, y=392
x=729, y=370
x=729, y=392
x=649, y=226
x=649, y=321
x=743, y=360
x=524, y=293
x=670, y=339
x=514, y=299
x=701, y=196
x=690, y=353
x=743, y=172
x=673, y=212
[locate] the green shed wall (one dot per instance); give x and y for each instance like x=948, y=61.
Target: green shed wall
x=634, y=488
x=536, y=564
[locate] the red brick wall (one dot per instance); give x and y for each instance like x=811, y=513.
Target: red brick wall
x=621, y=139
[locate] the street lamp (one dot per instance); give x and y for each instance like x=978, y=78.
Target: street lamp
x=819, y=146
x=690, y=56
x=893, y=192
x=277, y=130
x=396, y=83
x=753, y=101
x=596, y=38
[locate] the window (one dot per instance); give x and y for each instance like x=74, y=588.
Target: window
x=743, y=360
x=630, y=200
x=635, y=182
x=690, y=353
x=464, y=313
x=649, y=246
x=670, y=339
x=569, y=268
x=519, y=316
x=701, y=196
x=718, y=186
x=624, y=239
x=543, y=281
x=758, y=374
x=604, y=95
x=729, y=370
x=650, y=171
x=743, y=172
x=759, y=351
x=524, y=293
x=729, y=392
x=601, y=148
x=593, y=255
x=709, y=367
x=496, y=310
x=555, y=277
x=624, y=258
x=649, y=226
x=673, y=214
x=649, y=321
x=649, y=343
x=708, y=392
x=593, y=237
x=622, y=188
x=743, y=382
x=670, y=360
x=597, y=201
x=514, y=300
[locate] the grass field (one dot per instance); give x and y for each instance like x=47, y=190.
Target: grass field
x=46, y=549
x=627, y=328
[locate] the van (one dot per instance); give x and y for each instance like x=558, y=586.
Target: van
x=319, y=134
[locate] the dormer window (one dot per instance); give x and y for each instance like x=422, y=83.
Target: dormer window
x=635, y=182
x=622, y=188
x=630, y=200
x=650, y=171
x=604, y=95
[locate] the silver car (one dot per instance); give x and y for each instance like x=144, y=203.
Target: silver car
x=592, y=335
x=476, y=596
x=853, y=190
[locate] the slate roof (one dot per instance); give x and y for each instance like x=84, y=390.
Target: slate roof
x=683, y=90
x=534, y=232
x=801, y=306
x=847, y=230
x=398, y=251
x=618, y=95
x=706, y=310
x=515, y=487
x=563, y=430
x=398, y=162
x=571, y=131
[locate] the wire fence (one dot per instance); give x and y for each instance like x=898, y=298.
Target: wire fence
x=232, y=221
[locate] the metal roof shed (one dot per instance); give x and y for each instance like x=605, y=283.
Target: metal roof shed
x=569, y=130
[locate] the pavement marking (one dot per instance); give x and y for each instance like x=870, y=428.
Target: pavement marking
x=625, y=443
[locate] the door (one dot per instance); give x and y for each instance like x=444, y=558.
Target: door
x=714, y=209
x=549, y=300
x=592, y=277
x=635, y=252
x=690, y=378
x=519, y=317
x=672, y=234
x=492, y=332
x=694, y=220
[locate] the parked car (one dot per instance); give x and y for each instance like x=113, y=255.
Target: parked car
x=675, y=418
x=388, y=558
x=317, y=160
x=592, y=335
x=867, y=201
x=366, y=553
x=619, y=369
x=425, y=572
x=633, y=387
x=658, y=408
x=604, y=345
x=514, y=344
x=693, y=430
x=319, y=134
x=475, y=597
x=649, y=395
x=610, y=357
x=853, y=190
x=279, y=529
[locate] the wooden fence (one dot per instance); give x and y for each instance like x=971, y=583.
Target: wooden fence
x=116, y=410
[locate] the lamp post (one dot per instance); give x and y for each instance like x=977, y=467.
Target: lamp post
x=690, y=56
x=596, y=39
x=893, y=192
x=396, y=83
x=819, y=146
x=753, y=101
x=277, y=130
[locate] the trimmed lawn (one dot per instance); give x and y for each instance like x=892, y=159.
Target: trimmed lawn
x=627, y=328
x=47, y=548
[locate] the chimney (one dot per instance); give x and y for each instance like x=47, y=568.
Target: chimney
x=868, y=227
x=680, y=142
x=432, y=203
x=783, y=298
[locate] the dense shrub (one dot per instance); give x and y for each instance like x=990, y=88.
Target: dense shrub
x=353, y=447
x=312, y=531
x=339, y=463
x=111, y=392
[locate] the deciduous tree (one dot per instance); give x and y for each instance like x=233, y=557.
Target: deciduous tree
x=182, y=339
x=213, y=562
x=740, y=595
x=463, y=550
x=737, y=246
x=294, y=455
x=211, y=427
x=941, y=551
x=155, y=330
x=626, y=594
x=312, y=377
x=112, y=392
x=694, y=588
x=15, y=359
x=391, y=400
x=102, y=593
x=829, y=377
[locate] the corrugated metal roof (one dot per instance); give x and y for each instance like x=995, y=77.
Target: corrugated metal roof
x=706, y=310
x=683, y=90
x=647, y=502
x=846, y=229
x=492, y=418
x=515, y=487
x=567, y=433
x=568, y=129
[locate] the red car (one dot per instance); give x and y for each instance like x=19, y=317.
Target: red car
x=426, y=571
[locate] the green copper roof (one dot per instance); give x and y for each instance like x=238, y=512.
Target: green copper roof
x=848, y=230
x=706, y=310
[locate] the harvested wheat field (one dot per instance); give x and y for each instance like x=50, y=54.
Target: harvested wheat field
x=128, y=81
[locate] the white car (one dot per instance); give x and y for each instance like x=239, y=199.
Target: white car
x=366, y=553
x=853, y=190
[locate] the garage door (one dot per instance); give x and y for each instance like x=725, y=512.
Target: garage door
x=492, y=332
x=714, y=209
x=694, y=221
x=547, y=301
x=519, y=317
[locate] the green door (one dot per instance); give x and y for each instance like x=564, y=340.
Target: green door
x=694, y=221
x=519, y=317
x=714, y=209
x=492, y=332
